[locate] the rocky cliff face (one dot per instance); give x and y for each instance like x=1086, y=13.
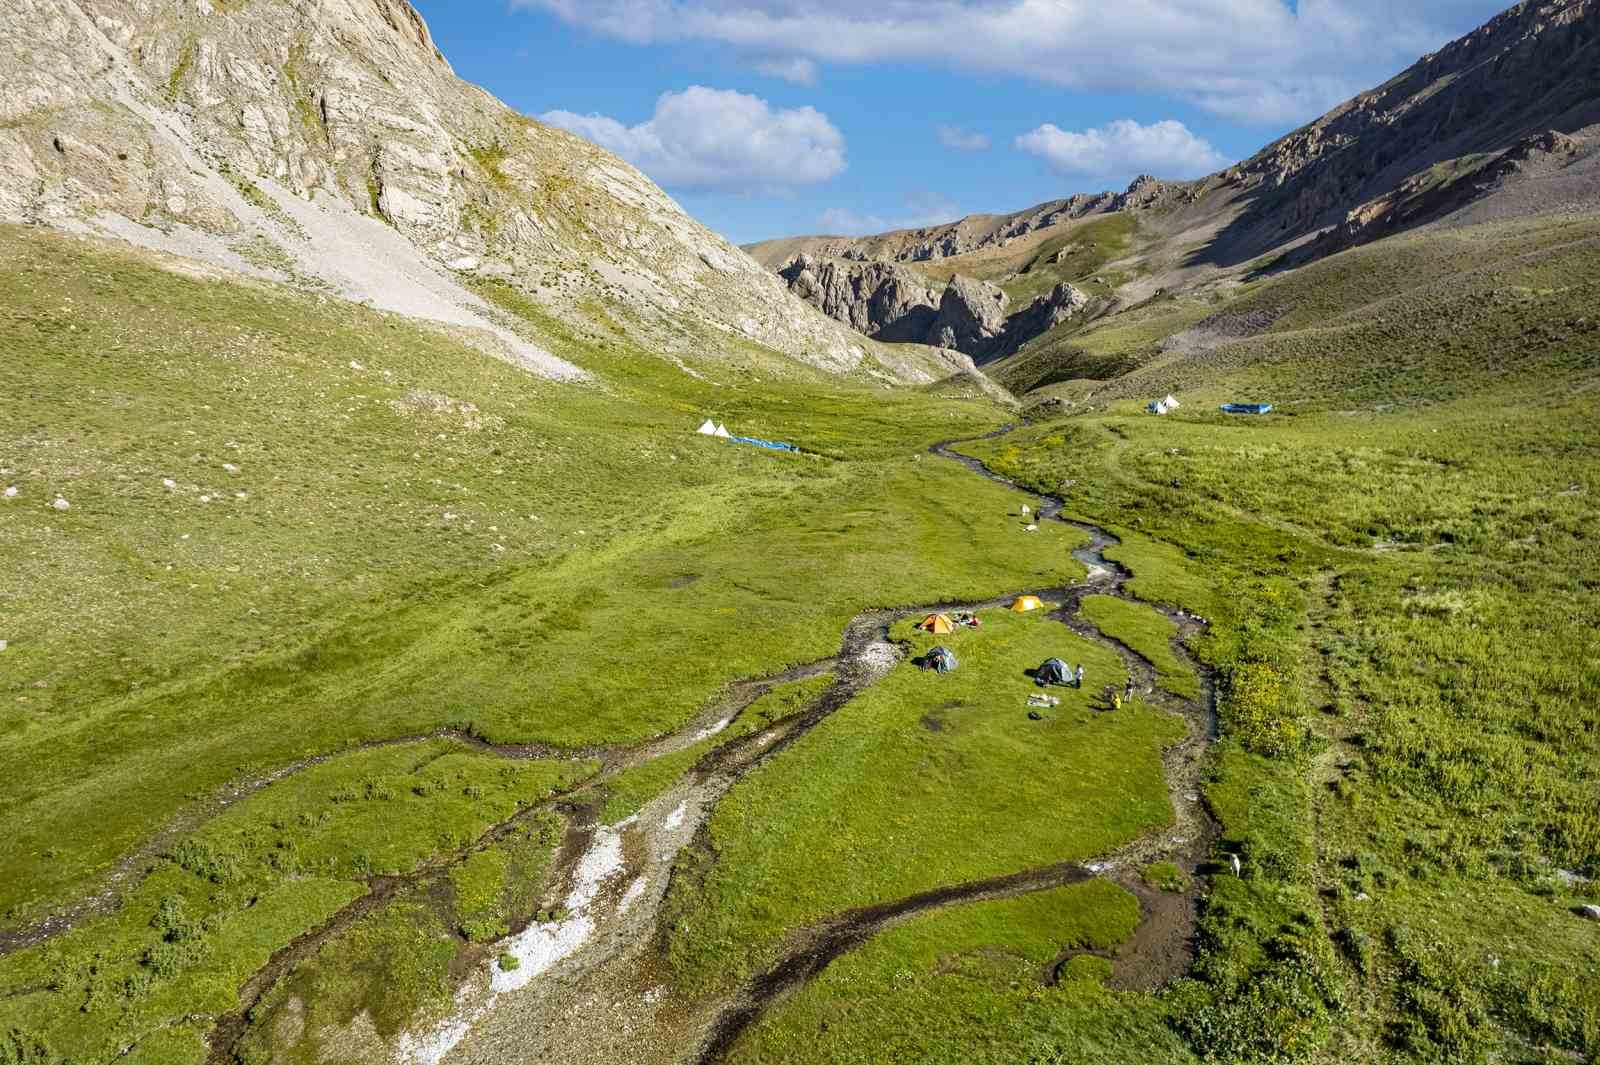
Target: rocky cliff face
x=327, y=142
x=1531, y=71
x=878, y=299
x=890, y=303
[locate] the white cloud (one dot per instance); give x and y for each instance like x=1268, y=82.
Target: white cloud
x=963, y=140
x=795, y=70
x=1255, y=60
x=1166, y=149
x=704, y=139
x=921, y=209
x=843, y=222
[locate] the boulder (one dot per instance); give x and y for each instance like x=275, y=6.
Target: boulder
x=1588, y=912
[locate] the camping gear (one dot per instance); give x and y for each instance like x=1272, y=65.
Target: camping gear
x=969, y=621
x=722, y=432
x=1034, y=715
x=1054, y=671
x=770, y=445
x=1163, y=406
x=940, y=660
x=1043, y=700
x=1025, y=603
x=937, y=624
x=707, y=428
x=1247, y=408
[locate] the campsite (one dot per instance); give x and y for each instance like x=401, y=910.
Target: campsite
x=983, y=533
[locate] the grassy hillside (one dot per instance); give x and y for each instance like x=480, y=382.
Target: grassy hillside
x=297, y=527
x=1405, y=560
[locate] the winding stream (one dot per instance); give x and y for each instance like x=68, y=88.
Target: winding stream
x=586, y=990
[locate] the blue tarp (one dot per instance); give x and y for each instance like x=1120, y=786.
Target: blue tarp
x=1247, y=408
x=770, y=445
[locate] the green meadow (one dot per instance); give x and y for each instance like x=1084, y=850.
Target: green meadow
x=373, y=533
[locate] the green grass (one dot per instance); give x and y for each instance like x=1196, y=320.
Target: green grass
x=965, y=985
x=1147, y=632
x=425, y=541
x=885, y=798
x=273, y=866
x=1165, y=876
x=1397, y=573
x=631, y=790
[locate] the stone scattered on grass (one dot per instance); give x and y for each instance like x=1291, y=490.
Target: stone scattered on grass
x=230, y=467
x=3, y=646
x=169, y=484
x=11, y=492
x=1589, y=912
x=61, y=504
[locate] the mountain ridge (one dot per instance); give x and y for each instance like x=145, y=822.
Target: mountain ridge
x=1504, y=120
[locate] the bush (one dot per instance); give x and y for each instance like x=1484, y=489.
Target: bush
x=220, y=866
x=1166, y=876
x=509, y=963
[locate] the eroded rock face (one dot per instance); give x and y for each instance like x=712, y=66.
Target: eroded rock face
x=972, y=315
x=890, y=303
x=179, y=123
x=877, y=299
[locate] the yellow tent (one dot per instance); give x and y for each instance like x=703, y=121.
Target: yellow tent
x=937, y=624
x=1027, y=603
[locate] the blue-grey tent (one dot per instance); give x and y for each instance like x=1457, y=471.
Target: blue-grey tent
x=1247, y=408
x=770, y=445
x=940, y=660
x=1054, y=671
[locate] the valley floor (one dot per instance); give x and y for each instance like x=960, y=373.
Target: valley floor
x=371, y=700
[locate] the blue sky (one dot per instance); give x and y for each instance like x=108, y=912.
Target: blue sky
x=773, y=117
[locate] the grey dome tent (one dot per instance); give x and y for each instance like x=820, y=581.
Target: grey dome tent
x=940, y=660
x=1054, y=671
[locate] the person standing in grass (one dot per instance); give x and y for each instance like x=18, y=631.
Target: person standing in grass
x=1077, y=676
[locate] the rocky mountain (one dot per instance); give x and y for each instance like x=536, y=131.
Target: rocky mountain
x=1504, y=121
x=328, y=143
x=887, y=302
x=974, y=232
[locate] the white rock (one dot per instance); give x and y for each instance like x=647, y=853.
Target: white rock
x=205, y=499
x=230, y=467
x=3, y=646
x=11, y=493
x=169, y=483
x=61, y=504
x=354, y=365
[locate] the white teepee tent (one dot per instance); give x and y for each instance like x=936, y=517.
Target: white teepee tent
x=707, y=428
x=722, y=431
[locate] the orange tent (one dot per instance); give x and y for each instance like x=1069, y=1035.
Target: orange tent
x=937, y=624
x=1026, y=603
